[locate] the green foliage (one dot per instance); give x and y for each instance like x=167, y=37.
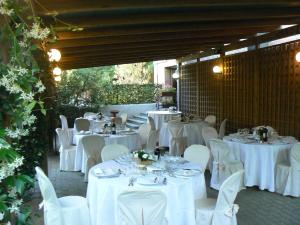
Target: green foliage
x=95, y=87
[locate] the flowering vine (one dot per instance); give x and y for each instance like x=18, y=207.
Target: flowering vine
x=20, y=87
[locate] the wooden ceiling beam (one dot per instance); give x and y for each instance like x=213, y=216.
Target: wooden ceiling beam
x=91, y=20
x=161, y=32
x=46, y=7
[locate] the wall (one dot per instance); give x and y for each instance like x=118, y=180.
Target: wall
x=260, y=87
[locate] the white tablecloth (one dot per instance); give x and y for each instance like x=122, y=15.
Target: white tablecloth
x=181, y=194
x=131, y=141
x=193, y=131
x=259, y=160
x=161, y=117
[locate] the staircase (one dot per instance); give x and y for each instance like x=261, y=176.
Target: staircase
x=136, y=121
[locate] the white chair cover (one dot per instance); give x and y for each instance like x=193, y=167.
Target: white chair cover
x=144, y=132
x=151, y=142
x=177, y=140
x=124, y=117
x=118, y=121
x=211, y=119
x=61, y=211
x=92, y=147
x=113, y=151
x=64, y=126
x=223, y=210
x=197, y=154
x=139, y=207
x=223, y=163
x=151, y=122
x=222, y=130
x=209, y=133
x=82, y=124
x=89, y=115
x=287, y=181
x=66, y=151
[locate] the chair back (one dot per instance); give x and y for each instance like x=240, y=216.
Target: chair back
x=151, y=122
x=209, y=133
x=177, y=139
x=63, y=138
x=89, y=115
x=295, y=156
x=124, y=117
x=151, y=142
x=222, y=130
x=211, y=119
x=144, y=132
x=139, y=207
x=198, y=154
x=118, y=121
x=82, y=124
x=220, y=151
x=113, y=151
x=92, y=146
x=64, y=122
x=229, y=190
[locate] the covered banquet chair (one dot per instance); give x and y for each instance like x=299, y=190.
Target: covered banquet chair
x=178, y=142
x=82, y=125
x=90, y=115
x=124, y=117
x=67, y=152
x=148, y=137
x=211, y=119
x=223, y=163
x=113, y=151
x=209, y=133
x=142, y=207
x=65, y=126
x=198, y=154
x=92, y=147
x=222, y=130
x=287, y=180
x=61, y=211
x=221, y=211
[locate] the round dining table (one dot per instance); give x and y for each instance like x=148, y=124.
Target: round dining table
x=160, y=117
x=260, y=159
x=192, y=130
x=181, y=192
x=131, y=140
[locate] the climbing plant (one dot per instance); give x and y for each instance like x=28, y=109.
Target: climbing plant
x=22, y=37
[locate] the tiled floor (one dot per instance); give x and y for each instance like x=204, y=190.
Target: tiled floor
x=256, y=207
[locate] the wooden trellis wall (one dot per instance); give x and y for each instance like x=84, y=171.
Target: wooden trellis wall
x=256, y=88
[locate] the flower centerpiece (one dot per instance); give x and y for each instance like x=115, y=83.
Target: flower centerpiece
x=143, y=157
x=262, y=133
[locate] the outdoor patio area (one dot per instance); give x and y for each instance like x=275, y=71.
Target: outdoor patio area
x=256, y=206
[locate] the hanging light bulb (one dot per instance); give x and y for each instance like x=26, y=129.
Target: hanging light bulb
x=54, y=55
x=57, y=71
x=57, y=78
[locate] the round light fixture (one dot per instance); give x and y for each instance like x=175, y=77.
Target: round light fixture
x=57, y=78
x=298, y=57
x=175, y=75
x=54, y=55
x=56, y=71
x=217, y=69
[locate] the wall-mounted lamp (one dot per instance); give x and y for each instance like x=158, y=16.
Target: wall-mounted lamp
x=217, y=69
x=54, y=55
x=175, y=75
x=298, y=57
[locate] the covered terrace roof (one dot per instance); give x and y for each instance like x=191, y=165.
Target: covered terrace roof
x=128, y=31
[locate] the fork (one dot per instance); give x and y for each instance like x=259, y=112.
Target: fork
x=165, y=181
x=131, y=180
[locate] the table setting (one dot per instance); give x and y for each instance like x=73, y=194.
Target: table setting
x=161, y=117
x=260, y=151
x=182, y=181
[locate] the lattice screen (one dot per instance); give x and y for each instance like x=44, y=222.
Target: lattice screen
x=256, y=88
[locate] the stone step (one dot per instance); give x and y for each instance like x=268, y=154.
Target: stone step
x=136, y=121
x=132, y=125
x=142, y=118
x=144, y=114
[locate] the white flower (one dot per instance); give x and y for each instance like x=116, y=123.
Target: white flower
x=37, y=32
x=29, y=120
x=1, y=216
x=12, y=193
x=27, y=96
x=39, y=85
x=14, y=208
x=145, y=156
x=135, y=155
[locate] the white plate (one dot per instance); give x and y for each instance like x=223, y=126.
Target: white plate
x=148, y=180
x=106, y=172
x=174, y=159
x=186, y=172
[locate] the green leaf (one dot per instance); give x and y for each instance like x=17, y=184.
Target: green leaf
x=31, y=106
x=43, y=111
